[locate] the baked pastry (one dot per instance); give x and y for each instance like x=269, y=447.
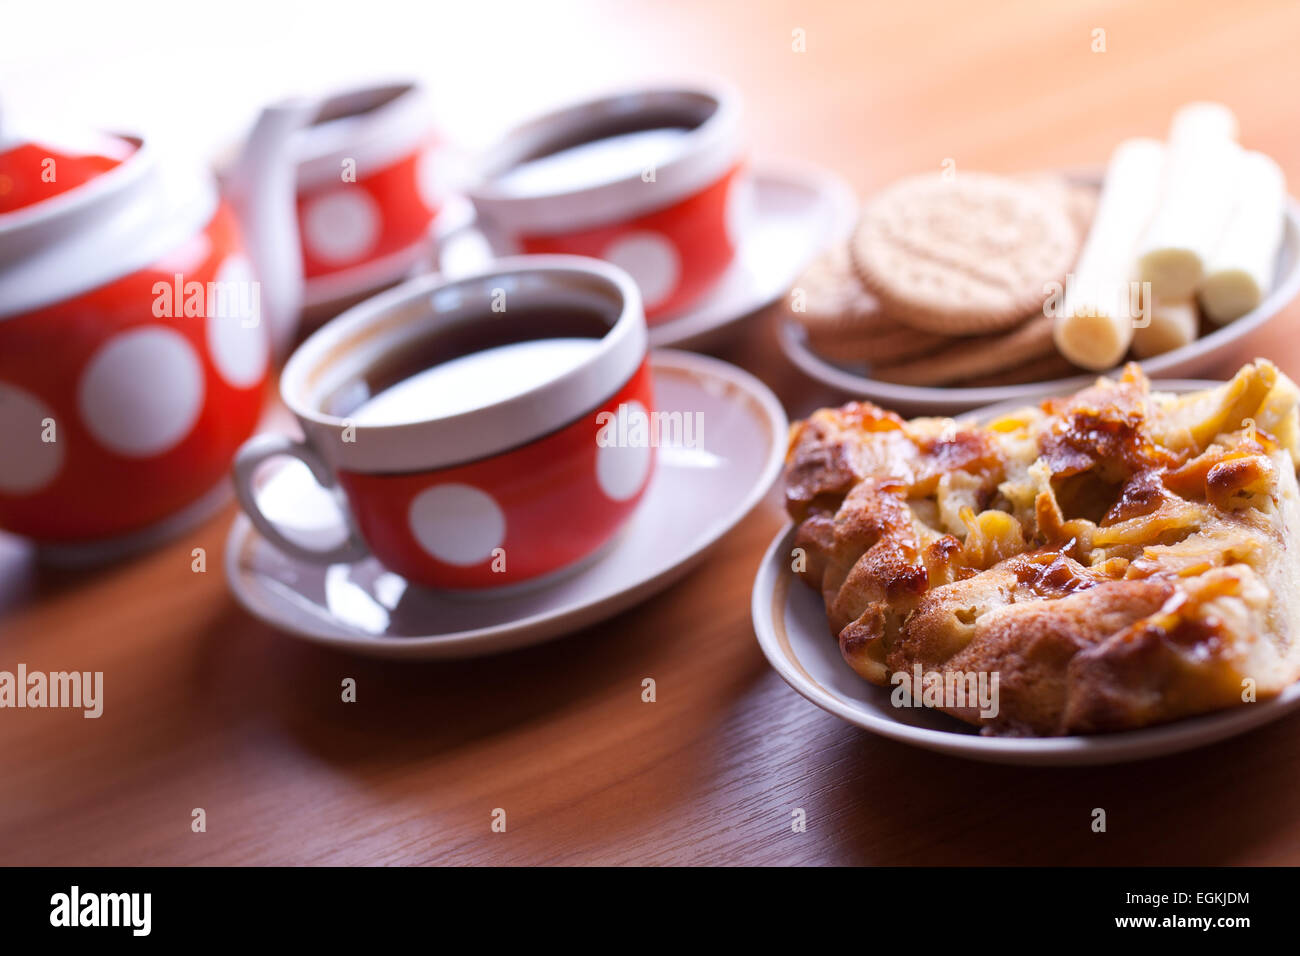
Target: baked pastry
x=1118, y=558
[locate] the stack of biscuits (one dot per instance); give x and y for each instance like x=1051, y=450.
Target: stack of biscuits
x=946, y=281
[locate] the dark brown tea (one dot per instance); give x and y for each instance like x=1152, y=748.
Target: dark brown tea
x=471, y=365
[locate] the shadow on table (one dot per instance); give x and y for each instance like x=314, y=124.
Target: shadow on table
x=24, y=579
x=409, y=711
x=1218, y=805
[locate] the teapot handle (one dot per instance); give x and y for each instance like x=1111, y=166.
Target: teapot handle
x=262, y=190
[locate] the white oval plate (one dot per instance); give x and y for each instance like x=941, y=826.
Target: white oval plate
x=790, y=621
x=695, y=496
x=1191, y=359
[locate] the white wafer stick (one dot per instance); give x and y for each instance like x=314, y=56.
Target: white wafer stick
x=1172, y=325
x=1095, y=325
x=1240, y=272
x=1195, y=203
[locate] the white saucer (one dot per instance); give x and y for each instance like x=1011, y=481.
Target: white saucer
x=695, y=496
x=797, y=212
x=790, y=621
x=1194, y=358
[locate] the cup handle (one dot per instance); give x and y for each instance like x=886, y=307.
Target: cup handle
x=261, y=448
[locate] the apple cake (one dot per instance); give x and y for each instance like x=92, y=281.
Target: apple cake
x=1118, y=558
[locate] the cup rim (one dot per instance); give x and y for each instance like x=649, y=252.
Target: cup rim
x=366, y=332
x=709, y=150
x=398, y=119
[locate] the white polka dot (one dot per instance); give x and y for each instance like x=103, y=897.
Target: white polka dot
x=342, y=225
x=621, y=469
x=142, y=392
x=432, y=173
x=740, y=209
x=237, y=339
x=456, y=523
x=28, y=463
x=651, y=260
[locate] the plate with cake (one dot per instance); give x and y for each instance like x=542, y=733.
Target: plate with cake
x=1097, y=577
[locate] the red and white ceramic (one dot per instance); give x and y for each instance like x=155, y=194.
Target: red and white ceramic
x=372, y=175
x=368, y=172
x=133, y=334
x=797, y=210
x=501, y=494
x=674, y=227
x=703, y=485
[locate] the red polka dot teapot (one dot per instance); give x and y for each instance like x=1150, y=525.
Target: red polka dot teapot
x=133, y=348
x=141, y=304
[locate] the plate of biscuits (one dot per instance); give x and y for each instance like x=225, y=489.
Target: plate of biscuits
x=1096, y=577
x=962, y=289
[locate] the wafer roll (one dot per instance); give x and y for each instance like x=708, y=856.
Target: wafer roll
x=1196, y=201
x=1095, y=325
x=1240, y=272
x=1171, y=325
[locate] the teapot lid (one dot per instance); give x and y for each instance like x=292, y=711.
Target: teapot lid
x=78, y=210
x=33, y=170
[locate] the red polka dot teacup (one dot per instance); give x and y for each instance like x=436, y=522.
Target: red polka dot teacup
x=367, y=173
x=371, y=175
x=651, y=181
x=471, y=426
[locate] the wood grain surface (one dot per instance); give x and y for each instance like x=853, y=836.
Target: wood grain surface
x=207, y=707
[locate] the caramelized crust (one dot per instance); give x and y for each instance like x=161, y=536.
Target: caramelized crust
x=1117, y=558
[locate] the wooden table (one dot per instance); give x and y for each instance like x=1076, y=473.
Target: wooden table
x=207, y=707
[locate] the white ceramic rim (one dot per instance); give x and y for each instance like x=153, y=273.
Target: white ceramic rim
x=708, y=152
x=551, y=623
x=1076, y=750
x=794, y=344
x=399, y=123
x=117, y=223
x=479, y=433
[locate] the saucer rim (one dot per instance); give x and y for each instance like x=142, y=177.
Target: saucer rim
x=547, y=624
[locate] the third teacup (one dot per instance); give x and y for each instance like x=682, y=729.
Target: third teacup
x=652, y=181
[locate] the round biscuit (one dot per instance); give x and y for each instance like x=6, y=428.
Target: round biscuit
x=975, y=356
x=891, y=345
x=1042, y=369
x=962, y=256
x=828, y=298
